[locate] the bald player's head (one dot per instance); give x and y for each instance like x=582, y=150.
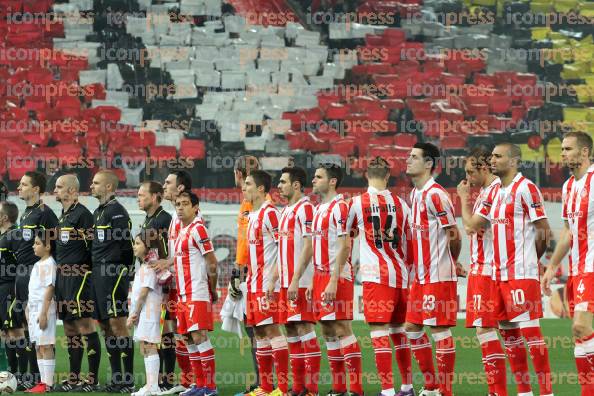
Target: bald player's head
x=67, y=188
x=105, y=184
x=505, y=159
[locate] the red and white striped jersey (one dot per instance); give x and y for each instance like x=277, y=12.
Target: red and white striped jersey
x=578, y=212
x=295, y=225
x=515, y=209
x=262, y=234
x=329, y=223
x=174, y=228
x=431, y=212
x=191, y=245
x=481, y=243
x=378, y=215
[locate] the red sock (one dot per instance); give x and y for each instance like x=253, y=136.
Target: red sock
x=207, y=357
x=183, y=361
x=494, y=363
x=540, y=358
x=296, y=355
x=518, y=359
x=421, y=348
x=403, y=356
x=445, y=353
x=265, y=362
x=584, y=360
x=196, y=365
x=313, y=357
x=336, y=363
x=383, y=357
x=352, y=357
x=280, y=353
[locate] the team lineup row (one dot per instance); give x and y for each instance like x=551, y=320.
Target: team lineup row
x=299, y=272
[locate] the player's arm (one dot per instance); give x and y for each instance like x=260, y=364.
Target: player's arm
x=454, y=241
x=561, y=250
x=211, y=267
x=343, y=242
x=302, y=264
x=543, y=236
x=473, y=223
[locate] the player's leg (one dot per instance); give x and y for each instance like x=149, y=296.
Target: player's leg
x=403, y=357
x=420, y=344
x=265, y=360
x=206, y=352
x=382, y=348
x=167, y=355
x=445, y=353
x=517, y=355
x=75, y=354
x=584, y=350
x=335, y=358
x=351, y=351
x=539, y=352
x=312, y=355
x=296, y=356
x=17, y=340
x=493, y=360
x=151, y=367
x=280, y=355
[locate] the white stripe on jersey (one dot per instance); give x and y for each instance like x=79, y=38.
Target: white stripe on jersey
x=481, y=244
x=262, y=236
x=578, y=211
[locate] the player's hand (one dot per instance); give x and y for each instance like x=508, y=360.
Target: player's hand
x=463, y=189
x=159, y=265
x=546, y=280
x=270, y=296
x=460, y=270
x=329, y=294
x=293, y=291
x=214, y=296
x=132, y=320
x=309, y=293
x=42, y=320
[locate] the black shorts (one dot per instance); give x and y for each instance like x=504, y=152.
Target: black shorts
x=9, y=311
x=21, y=298
x=110, y=285
x=74, y=294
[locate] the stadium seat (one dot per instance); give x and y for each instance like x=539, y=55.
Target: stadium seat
x=192, y=148
x=161, y=153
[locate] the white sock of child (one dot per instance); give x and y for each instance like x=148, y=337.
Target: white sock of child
x=41, y=365
x=50, y=368
x=151, y=365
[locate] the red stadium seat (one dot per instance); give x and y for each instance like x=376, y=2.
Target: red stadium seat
x=405, y=140
x=160, y=153
x=192, y=148
x=337, y=111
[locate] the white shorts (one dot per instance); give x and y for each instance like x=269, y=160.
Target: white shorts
x=148, y=331
x=42, y=337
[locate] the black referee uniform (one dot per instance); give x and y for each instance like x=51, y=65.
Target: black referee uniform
x=8, y=269
x=159, y=222
x=35, y=218
x=73, y=256
x=112, y=259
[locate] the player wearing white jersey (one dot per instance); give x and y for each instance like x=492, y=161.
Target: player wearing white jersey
x=577, y=239
x=521, y=234
x=295, y=270
x=381, y=219
x=433, y=295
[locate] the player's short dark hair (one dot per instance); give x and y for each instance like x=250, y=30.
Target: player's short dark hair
x=430, y=153
x=183, y=178
x=188, y=194
x=38, y=179
x=11, y=210
x=262, y=178
x=480, y=156
x=514, y=150
x=333, y=171
x=154, y=188
x=583, y=140
x=246, y=164
x=378, y=168
x=296, y=174
x=152, y=239
x=3, y=191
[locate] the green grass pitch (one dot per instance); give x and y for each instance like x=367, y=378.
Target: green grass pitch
x=234, y=363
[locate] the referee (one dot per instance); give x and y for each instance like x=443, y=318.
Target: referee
x=73, y=285
x=157, y=221
x=37, y=216
x=112, y=261
x=17, y=356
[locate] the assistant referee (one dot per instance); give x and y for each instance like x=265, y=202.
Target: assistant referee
x=113, y=260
